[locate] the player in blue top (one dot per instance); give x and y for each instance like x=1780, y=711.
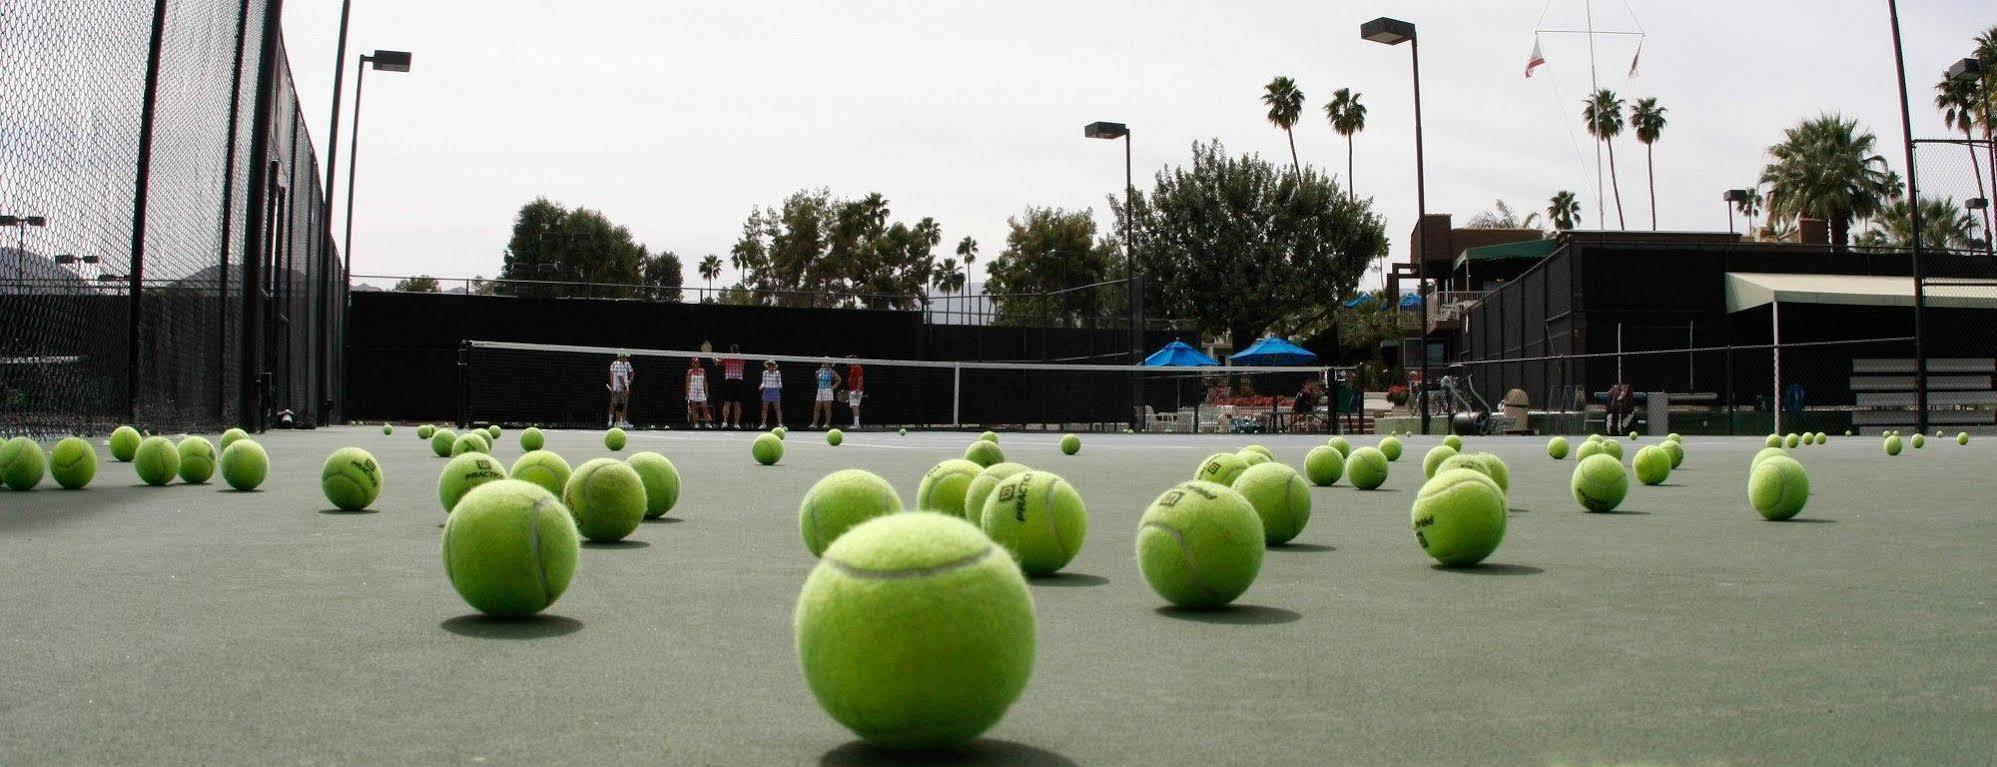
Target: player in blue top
x=821, y=406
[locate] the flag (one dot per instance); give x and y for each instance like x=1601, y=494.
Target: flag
x=1537, y=59
x=1634, y=59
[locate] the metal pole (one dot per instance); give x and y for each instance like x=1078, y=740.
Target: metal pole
x=1421, y=221
x=142, y=176
x=1134, y=286
x=257, y=223
x=1775, y=331
x=957, y=396
x=1914, y=224
x=333, y=133
x=228, y=216
x=347, y=244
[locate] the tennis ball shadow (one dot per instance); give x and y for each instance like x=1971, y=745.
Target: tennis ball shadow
x=481, y=626
x=1068, y=580
x=623, y=544
x=1234, y=614
x=1301, y=547
x=983, y=752
x=661, y=520
x=1488, y=568
x=1619, y=513
x=1803, y=521
x=346, y=513
x=233, y=491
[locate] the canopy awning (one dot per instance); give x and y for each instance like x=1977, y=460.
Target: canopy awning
x=1525, y=250
x=1747, y=290
x=1178, y=354
x=1274, y=351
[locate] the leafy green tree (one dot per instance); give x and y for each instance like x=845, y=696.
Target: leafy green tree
x=814, y=250
x=1286, y=106
x=1826, y=168
x=1647, y=119
x=1348, y=117
x=1603, y=112
x=421, y=283
x=1563, y=211
x=1049, y=255
x=554, y=243
x=663, y=277
x=1240, y=248
x=1944, y=225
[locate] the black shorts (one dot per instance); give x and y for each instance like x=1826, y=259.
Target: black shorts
x=731, y=390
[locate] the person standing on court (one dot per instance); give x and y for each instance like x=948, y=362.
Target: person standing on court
x=821, y=405
x=621, y=376
x=856, y=387
x=731, y=387
x=697, y=413
x=772, y=389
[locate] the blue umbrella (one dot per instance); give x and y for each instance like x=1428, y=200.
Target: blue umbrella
x=1274, y=351
x=1411, y=301
x=1178, y=354
x=1359, y=300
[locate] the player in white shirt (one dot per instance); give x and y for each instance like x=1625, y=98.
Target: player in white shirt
x=621, y=376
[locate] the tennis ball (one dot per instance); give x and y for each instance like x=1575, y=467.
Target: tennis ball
x=1652, y=464
x=470, y=442
x=1340, y=444
x=1588, y=449
x=1265, y=453
x=1200, y=544
x=543, y=468
x=1039, y=518
x=1632, y=436
x=1594, y=438
x=197, y=460
x=1613, y=448
x=981, y=487
x=1791, y=441
x=1847, y=432
x=493, y=429
x=442, y=442
x=662, y=482
x=1765, y=453
x=1323, y=465
x=989, y=436
x=1454, y=442
x=531, y=439
x=1070, y=444
x=942, y=488
x=1391, y=448
x=351, y=479
x=1367, y=468
x=1920, y=441
x=425, y=431
x=156, y=461
x=72, y=463
x=840, y=501
x=465, y=472
x=1436, y=455
x=1252, y=458
x=1675, y=450
x=22, y=463
x=1821, y=439
x=1600, y=483
x=1893, y=445
x=1778, y=488
x=124, y=443
x=984, y=453
x=509, y=548
x=1221, y=468
x=1673, y=437
x=607, y=499
x=614, y=439
x=1459, y=517
x=1774, y=440
x=767, y=449
x=781, y=432
x=1280, y=498
x=1465, y=461
x=244, y=464
x=904, y=432
x=1962, y=438
x=1495, y=468
x=387, y=428
x=915, y=631
x=834, y=437
x=229, y=438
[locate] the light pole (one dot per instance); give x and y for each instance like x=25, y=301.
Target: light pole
x=1388, y=31
x=387, y=61
x=1734, y=198
x=1914, y=227
x=1976, y=205
x=1134, y=285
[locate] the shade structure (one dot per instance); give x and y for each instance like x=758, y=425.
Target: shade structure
x=1179, y=354
x=1273, y=351
x=1411, y=301
x=1747, y=290
x=1360, y=300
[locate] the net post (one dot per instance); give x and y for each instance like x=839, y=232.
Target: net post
x=464, y=383
x=956, y=396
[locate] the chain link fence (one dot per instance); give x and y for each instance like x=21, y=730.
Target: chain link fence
x=162, y=258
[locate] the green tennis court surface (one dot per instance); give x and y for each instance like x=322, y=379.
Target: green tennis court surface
x=188, y=624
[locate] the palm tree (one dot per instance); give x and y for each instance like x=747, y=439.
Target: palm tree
x=1750, y=207
x=1648, y=120
x=1501, y=216
x=1604, y=115
x=1564, y=211
x=967, y=249
x=1826, y=168
x=1943, y=226
x=710, y=268
x=1286, y=105
x=1347, y=116
x=1959, y=102
x=1986, y=52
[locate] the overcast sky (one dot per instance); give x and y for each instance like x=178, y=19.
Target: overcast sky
x=674, y=118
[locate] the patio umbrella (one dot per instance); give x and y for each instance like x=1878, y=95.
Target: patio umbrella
x=1274, y=351
x=1178, y=354
x=1411, y=301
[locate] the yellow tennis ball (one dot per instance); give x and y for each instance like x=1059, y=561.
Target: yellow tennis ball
x=1039, y=518
x=1459, y=517
x=197, y=460
x=1221, y=468
x=1200, y=544
x=510, y=548
x=464, y=473
x=156, y=461
x=607, y=499
x=943, y=486
x=1280, y=498
x=981, y=487
x=838, y=502
x=351, y=479
x=544, y=468
x=662, y=482
x=244, y=465
x=72, y=464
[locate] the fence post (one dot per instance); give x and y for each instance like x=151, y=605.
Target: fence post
x=142, y=176
x=256, y=223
